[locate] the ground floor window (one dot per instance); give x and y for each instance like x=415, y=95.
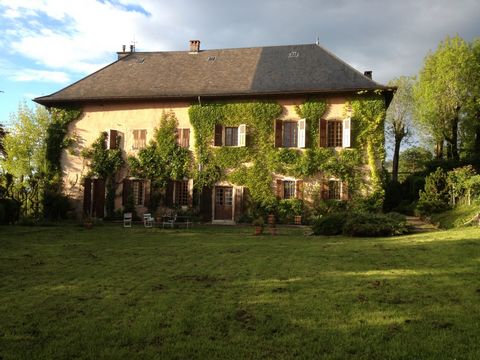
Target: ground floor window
x=289, y=189
x=138, y=192
x=182, y=194
x=334, y=190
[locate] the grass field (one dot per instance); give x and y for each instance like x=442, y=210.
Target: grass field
x=221, y=293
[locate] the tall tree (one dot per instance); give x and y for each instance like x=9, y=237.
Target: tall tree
x=444, y=88
x=399, y=117
x=2, y=135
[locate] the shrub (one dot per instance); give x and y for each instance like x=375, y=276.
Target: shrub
x=11, y=211
x=288, y=208
x=435, y=197
x=373, y=224
x=330, y=225
x=393, y=196
x=56, y=206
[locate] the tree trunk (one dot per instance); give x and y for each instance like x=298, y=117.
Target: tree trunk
x=454, y=138
x=439, y=149
x=396, y=157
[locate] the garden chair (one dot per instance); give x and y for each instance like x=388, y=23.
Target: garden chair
x=169, y=220
x=127, y=219
x=148, y=220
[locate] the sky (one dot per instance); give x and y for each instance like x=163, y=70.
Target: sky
x=49, y=44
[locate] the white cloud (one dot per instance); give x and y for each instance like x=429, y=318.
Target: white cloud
x=78, y=37
x=40, y=76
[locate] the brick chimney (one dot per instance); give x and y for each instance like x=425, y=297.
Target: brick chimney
x=123, y=53
x=194, y=46
x=368, y=74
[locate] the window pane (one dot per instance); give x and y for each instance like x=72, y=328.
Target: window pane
x=137, y=192
x=231, y=136
x=289, y=189
x=334, y=134
x=334, y=190
x=139, y=138
x=289, y=134
x=181, y=192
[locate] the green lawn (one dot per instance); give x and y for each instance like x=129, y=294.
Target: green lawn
x=221, y=293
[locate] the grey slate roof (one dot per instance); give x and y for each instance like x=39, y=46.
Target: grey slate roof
x=217, y=73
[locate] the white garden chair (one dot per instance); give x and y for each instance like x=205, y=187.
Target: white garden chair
x=127, y=219
x=148, y=220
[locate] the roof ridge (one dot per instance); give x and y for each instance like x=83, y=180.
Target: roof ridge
x=347, y=64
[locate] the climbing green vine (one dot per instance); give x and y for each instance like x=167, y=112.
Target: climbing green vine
x=163, y=159
x=253, y=166
x=368, y=116
x=105, y=164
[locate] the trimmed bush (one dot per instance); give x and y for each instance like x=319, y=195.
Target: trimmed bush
x=330, y=225
x=373, y=224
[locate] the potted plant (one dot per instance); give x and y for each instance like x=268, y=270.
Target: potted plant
x=297, y=208
x=258, y=223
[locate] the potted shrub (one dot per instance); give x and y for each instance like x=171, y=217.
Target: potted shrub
x=297, y=209
x=258, y=223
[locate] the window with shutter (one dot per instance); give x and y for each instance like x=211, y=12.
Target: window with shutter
x=323, y=133
x=138, y=192
x=334, y=187
x=231, y=136
x=346, y=132
x=288, y=189
x=334, y=133
x=139, y=139
x=301, y=133
x=217, y=141
x=242, y=135
x=290, y=135
x=182, y=193
x=111, y=139
x=183, y=137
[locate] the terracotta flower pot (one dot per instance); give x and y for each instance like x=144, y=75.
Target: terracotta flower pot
x=271, y=219
x=258, y=230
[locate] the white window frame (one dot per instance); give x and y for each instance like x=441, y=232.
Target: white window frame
x=346, y=132
x=301, y=133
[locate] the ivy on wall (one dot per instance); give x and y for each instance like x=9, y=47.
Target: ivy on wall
x=213, y=162
x=368, y=116
x=163, y=159
x=105, y=164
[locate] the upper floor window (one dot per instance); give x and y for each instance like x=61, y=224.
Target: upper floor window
x=335, y=133
x=183, y=138
x=139, y=138
x=290, y=133
x=112, y=139
x=230, y=135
